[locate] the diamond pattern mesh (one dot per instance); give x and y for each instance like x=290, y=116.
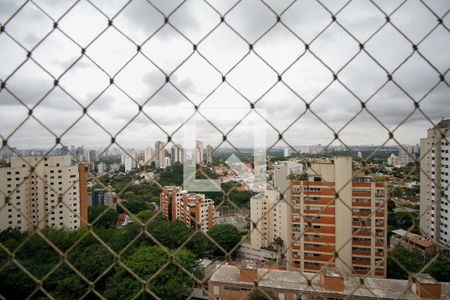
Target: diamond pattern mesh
x=275, y=52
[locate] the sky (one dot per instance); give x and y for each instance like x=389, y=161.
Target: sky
x=277, y=56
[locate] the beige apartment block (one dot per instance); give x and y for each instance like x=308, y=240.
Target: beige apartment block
x=40, y=191
x=269, y=219
x=434, y=183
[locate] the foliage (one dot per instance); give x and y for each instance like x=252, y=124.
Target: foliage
x=135, y=206
x=146, y=262
x=226, y=235
x=107, y=220
x=92, y=259
x=145, y=215
x=240, y=198
x=413, y=261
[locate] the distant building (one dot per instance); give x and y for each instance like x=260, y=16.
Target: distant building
x=160, y=154
x=130, y=160
x=209, y=154
x=177, y=154
x=434, y=183
x=394, y=161
x=405, y=156
x=101, y=168
x=199, y=152
x=104, y=197
x=114, y=167
x=148, y=156
x=411, y=240
x=194, y=210
x=92, y=156
x=37, y=198
x=167, y=162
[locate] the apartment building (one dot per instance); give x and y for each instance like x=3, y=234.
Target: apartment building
x=230, y=282
x=130, y=159
x=338, y=220
x=209, y=154
x=434, y=183
x=42, y=191
x=269, y=219
x=197, y=212
x=191, y=209
x=198, y=152
x=160, y=154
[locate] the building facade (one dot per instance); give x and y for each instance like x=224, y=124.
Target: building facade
x=194, y=210
x=197, y=212
x=269, y=219
x=43, y=191
x=160, y=154
x=434, y=183
x=198, y=152
x=334, y=213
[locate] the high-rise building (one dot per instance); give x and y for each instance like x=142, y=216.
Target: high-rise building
x=92, y=155
x=434, y=183
x=334, y=213
x=170, y=201
x=198, y=152
x=405, y=155
x=160, y=154
x=54, y=194
x=280, y=180
x=270, y=214
x=209, y=154
x=191, y=209
x=130, y=160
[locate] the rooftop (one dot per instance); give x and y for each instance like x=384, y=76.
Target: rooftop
x=298, y=281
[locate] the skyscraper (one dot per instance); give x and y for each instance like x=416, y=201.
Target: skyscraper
x=434, y=183
x=209, y=154
x=130, y=160
x=199, y=152
x=148, y=155
x=160, y=154
x=54, y=194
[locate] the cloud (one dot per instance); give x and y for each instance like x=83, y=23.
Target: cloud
x=142, y=75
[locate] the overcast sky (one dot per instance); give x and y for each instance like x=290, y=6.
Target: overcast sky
x=222, y=50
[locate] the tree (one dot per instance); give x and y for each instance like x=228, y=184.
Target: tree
x=96, y=259
x=107, y=220
x=169, y=283
x=170, y=234
x=145, y=215
x=226, y=235
x=134, y=206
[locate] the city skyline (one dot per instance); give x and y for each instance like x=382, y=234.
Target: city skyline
x=197, y=80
